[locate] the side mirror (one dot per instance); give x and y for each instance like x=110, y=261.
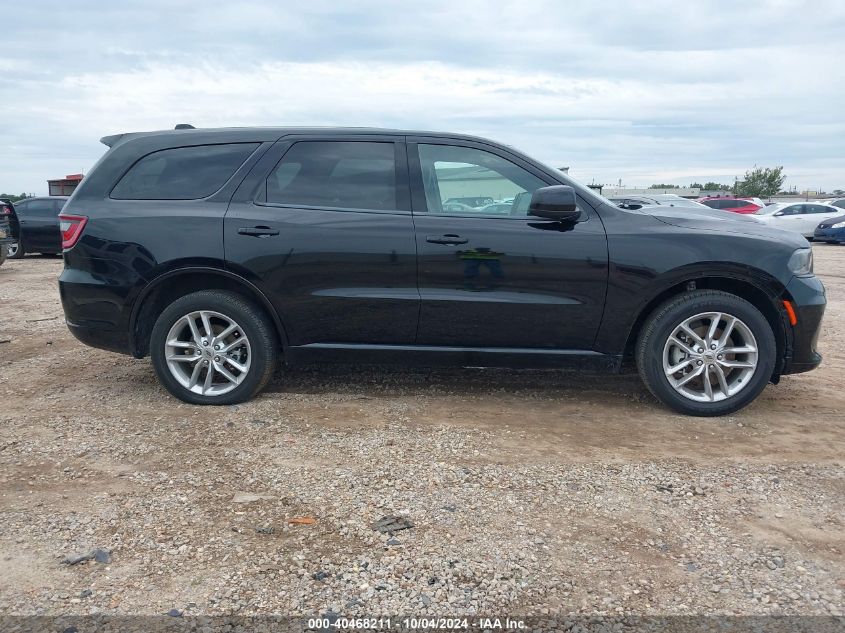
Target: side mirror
x=779, y=213
x=555, y=203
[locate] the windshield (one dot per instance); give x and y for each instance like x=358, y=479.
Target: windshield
x=772, y=208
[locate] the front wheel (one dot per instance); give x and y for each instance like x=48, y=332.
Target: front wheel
x=706, y=353
x=16, y=251
x=213, y=347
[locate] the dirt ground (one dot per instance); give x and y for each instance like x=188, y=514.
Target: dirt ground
x=529, y=492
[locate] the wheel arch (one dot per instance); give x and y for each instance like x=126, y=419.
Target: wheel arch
x=760, y=289
x=167, y=287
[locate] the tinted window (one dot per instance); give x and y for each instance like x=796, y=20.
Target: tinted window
x=733, y=204
x=41, y=207
x=452, y=174
x=795, y=209
x=818, y=208
x=336, y=174
x=839, y=203
x=182, y=173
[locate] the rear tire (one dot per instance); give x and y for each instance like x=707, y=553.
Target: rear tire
x=240, y=352
x=736, y=355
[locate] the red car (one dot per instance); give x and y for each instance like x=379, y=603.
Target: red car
x=735, y=205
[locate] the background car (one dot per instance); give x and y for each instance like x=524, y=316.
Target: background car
x=502, y=208
x=837, y=202
x=735, y=205
x=472, y=201
x=638, y=202
x=38, y=220
x=802, y=217
x=8, y=228
x=831, y=231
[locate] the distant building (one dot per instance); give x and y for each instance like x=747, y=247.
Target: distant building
x=684, y=192
x=64, y=186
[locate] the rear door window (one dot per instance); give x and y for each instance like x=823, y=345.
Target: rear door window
x=336, y=175
x=182, y=173
x=41, y=208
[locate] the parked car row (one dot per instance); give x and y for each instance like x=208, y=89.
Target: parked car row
x=821, y=220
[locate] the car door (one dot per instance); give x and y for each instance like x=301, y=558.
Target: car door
x=40, y=226
x=503, y=280
x=818, y=213
x=323, y=227
x=790, y=217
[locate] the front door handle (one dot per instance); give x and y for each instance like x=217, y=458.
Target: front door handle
x=449, y=239
x=257, y=231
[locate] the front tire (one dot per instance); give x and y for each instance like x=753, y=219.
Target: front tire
x=16, y=250
x=213, y=347
x=706, y=353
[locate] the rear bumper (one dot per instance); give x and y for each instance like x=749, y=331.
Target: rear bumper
x=109, y=340
x=809, y=301
x=95, y=306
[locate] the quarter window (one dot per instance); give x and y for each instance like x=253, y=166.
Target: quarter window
x=182, y=173
x=336, y=174
x=465, y=180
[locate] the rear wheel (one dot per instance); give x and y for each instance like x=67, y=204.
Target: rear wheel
x=213, y=347
x=706, y=353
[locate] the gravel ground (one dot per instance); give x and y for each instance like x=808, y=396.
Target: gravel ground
x=528, y=492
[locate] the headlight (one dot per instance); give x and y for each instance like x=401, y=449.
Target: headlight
x=801, y=261
x=838, y=225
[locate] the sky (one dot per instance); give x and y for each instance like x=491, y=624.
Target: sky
x=643, y=92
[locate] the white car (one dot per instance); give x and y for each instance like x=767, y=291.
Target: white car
x=802, y=217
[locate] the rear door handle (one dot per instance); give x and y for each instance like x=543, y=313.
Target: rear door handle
x=449, y=238
x=257, y=231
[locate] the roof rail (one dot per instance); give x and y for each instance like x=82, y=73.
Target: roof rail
x=184, y=126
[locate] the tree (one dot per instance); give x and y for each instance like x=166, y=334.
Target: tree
x=715, y=186
x=664, y=187
x=696, y=185
x=13, y=198
x=762, y=182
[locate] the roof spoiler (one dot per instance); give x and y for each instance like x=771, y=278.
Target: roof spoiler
x=109, y=141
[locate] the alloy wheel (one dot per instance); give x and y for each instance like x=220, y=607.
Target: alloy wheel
x=710, y=357
x=208, y=353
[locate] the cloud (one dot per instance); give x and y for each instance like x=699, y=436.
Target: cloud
x=665, y=92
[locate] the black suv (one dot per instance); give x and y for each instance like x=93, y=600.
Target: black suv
x=217, y=251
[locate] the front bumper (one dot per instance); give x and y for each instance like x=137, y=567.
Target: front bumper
x=830, y=235
x=808, y=299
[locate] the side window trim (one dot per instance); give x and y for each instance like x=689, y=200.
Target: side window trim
x=286, y=143
x=418, y=197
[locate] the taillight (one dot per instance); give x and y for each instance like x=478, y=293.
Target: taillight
x=71, y=227
x=5, y=209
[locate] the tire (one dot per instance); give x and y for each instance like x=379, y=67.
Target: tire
x=658, y=351
x=4, y=253
x=16, y=251
x=252, y=339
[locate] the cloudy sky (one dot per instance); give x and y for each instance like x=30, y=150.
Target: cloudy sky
x=639, y=91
